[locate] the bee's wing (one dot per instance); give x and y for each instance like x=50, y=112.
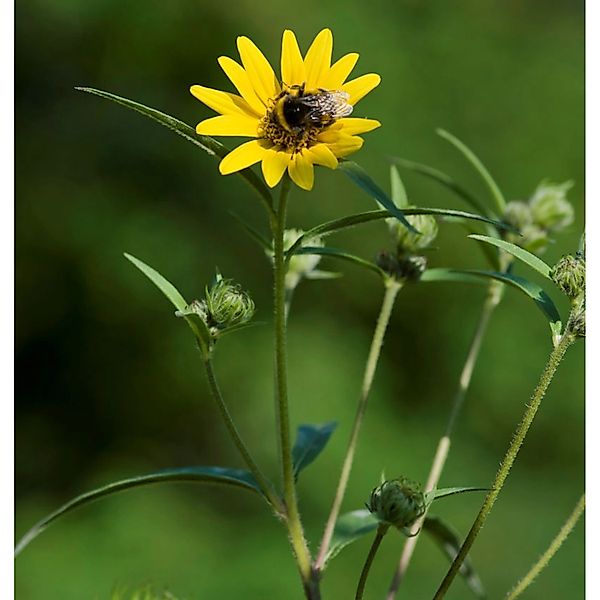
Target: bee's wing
x=332, y=105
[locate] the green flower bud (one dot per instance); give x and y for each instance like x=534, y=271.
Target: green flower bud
x=518, y=214
x=225, y=305
x=408, y=242
x=577, y=323
x=398, y=502
x=531, y=236
x=569, y=275
x=549, y=205
x=402, y=268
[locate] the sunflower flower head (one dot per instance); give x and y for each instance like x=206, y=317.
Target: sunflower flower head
x=298, y=121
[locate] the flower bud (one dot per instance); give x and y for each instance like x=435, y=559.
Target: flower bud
x=577, y=323
x=398, y=502
x=531, y=236
x=226, y=305
x=569, y=275
x=402, y=268
x=549, y=205
x=409, y=242
x=518, y=214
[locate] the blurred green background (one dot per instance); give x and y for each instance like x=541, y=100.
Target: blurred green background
x=109, y=384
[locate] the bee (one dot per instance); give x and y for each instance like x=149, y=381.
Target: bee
x=298, y=111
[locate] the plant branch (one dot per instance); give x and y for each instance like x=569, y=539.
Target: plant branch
x=556, y=543
x=381, y=531
x=391, y=291
x=492, y=300
x=554, y=361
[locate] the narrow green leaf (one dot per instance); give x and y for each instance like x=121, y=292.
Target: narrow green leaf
x=208, y=144
x=448, y=540
x=361, y=178
x=322, y=275
x=527, y=257
x=196, y=324
x=445, y=492
x=534, y=291
x=310, y=442
x=446, y=181
x=235, y=477
x=349, y=528
x=490, y=253
x=441, y=274
x=399, y=197
x=336, y=225
x=336, y=253
x=495, y=192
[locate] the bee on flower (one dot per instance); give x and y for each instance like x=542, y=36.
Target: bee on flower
x=296, y=122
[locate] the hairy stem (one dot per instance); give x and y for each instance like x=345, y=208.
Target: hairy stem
x=293, y=522
x=554, y=361
x=261, y=480
x=439, y=460
x=360, y=589
x=391, y=291
x=556, y=543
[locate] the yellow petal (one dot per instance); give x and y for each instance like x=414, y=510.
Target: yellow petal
x=240, y=79
x=320, y=154
x=222, y=102
x=358, y=88
x=353, y=125
x=345, y=144
x=318, y=59
x=292, y=65
x=229, y=125
x=258, y=68
x=274, y=165
x=301, y=171
x=340, y=71
x=243, y=156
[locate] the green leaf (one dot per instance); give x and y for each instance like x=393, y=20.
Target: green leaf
x=445, y=492
x=361, y=178
x=441, y=274
x=349, y=528
x=527, y=257
x=322, y=275
x=447, y=539
x=335, y=253
x=206, y=143
x=495, y=192
x=336, y=225
x=534, y=291
x=235, y=477
x=310, y=442
x=446, y=181
x=490, y=253
x=196, y=324
x=399, y=197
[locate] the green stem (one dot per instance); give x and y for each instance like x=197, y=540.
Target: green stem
x=439, y=460
x=293, y=522
x=261, y=480
x=550, y=552
x=381, y=531
x=554, y=360
x=391, y=291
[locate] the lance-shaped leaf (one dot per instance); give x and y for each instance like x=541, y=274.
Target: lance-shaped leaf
x=495, y=192
x=452, y=491
x=442, y=274
x=361, y=178
x=349, y=528
x=336, y=225
x=399, y=196
x=310, y=442
x=527, y=257
x=447, y=539
x=196, y=324
x=335, y=253
x=206, y=143
x=446, y=181
x=234, y=477
x=532, y=290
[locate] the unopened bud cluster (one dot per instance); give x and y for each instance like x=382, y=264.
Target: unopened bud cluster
x=398, y=502
x=547, y=211
x=406, y=263
x=569, y=275
x=225, y=305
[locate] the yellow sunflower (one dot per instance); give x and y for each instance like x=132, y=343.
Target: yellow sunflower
x=297, y=122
